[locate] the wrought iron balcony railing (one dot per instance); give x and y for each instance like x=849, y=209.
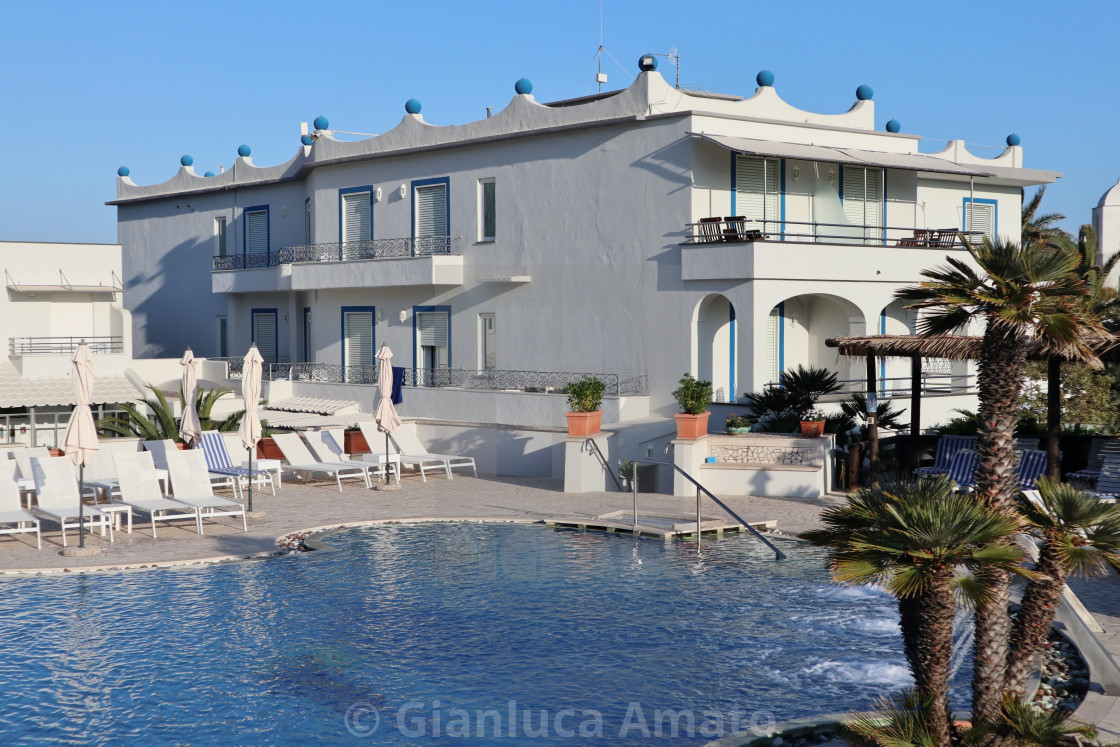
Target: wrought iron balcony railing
x=347, y=251
x=740, y=229
x=458, y=378
x=64, y=345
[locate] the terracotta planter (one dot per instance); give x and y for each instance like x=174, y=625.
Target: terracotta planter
x=812, y=428
x=56, y=452
x=267, y=449
x=355, y=443
x=181, y=446
x=582, y=424
x=692, y=426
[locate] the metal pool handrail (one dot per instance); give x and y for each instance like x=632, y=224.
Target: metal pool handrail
x=779, y=555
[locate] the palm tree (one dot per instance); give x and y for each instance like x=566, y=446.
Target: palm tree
x=1021, y=293
x=1080, y=535
x=1043, y=229
x=912, y=537
x=163, y=424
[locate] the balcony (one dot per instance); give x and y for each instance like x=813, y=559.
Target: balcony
x=378, y=263
x=64, y=345
x=738, y=248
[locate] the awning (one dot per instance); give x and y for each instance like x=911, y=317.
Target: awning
x=846, y=156
x=24, y=288
x=314, y=406
x=17, y=391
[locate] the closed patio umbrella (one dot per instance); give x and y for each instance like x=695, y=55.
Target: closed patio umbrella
x=190, y=429
x=250, y=430
x=80, y=439
x=385, y=414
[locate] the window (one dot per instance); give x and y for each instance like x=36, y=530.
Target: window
x=756, y=191
x=356, y=205
x=773, y=358
x=487, y=216
x=264, y=333
x=430, y=216
x=980, y=215
x=307, y=221
x=223, y=337
x=221, y=248
x=863, y=199
x=307, y=334
x=256, y=230
x=433, y=334
x=488, y=358
x=357, y=344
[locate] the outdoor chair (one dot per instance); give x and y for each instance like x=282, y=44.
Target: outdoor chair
x=946, y=238
x=219, y=463
x=136, y=475
x=11, y=509
x=23, y=458
x=301, y=460
x=1027, y=444
x=1099, y=450
x=160, y=451
x=194, y=486
x=1032, y=465
x=947, y=446
x=412, y=452
x=708, y=230
x=962, y=469
x=1108, y=484
x=56, y=488
x=328, y=448
x=375, y=455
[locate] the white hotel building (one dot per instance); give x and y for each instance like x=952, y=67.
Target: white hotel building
x=497, y=256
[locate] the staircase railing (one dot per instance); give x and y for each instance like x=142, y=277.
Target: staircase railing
x=591, y=446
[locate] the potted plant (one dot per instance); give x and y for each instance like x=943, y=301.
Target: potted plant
x=585, y=398
x=737, y=425
x=812, y=423
x=355, y=440
x=694, y=397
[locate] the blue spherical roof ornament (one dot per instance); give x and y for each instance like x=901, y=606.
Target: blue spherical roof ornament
x=208, y=174
x=1013, y=139
x=123, y=171
x=244, y=151
x=865, y=92
x=412, y=106
x=894, y=126
x=306, y=139
x=321, y=123
x=647, y=63
x=187, y=161
x=765, y=78
x=523, y=86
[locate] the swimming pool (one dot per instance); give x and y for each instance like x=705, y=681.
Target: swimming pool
x=414, y=633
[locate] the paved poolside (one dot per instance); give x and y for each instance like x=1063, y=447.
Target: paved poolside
x=298, y=507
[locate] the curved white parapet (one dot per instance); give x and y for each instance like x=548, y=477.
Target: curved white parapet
x=648, y=96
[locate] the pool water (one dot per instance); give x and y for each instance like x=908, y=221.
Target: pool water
x=446, y=634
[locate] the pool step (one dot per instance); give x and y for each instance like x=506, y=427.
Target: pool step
x=657, y=525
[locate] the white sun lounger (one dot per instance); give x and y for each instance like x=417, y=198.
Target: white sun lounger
x=56, y=490
x=412, y=452
x=160, y=450
x=136, y=476
x=327, y=447
x=193, y=486
x=23, y=459
x=375, y=456
x=11, y=509
x=300, y=459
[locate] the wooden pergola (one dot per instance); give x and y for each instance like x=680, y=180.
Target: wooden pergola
x=958, y=348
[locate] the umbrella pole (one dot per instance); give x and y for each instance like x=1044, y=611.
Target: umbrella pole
x=386, y=458
x=254, y=448
x=81, y=505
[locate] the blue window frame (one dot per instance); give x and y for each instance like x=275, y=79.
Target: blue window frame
x=260, y=233
x=352, y=358
x=307, y=333
x=416, y=346
x=368, y=189
x=266, y=334
x=446, y=182
x=980, y=201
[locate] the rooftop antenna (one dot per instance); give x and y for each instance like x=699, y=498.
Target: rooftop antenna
x=675, y=60
x=600, y=76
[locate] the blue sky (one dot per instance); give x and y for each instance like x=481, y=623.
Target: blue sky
x=89, y=87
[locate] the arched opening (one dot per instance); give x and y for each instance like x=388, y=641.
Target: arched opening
x=794, y=333
x=714, y=349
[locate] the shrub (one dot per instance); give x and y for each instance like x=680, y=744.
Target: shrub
x=693, y=396
x=586, y=395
